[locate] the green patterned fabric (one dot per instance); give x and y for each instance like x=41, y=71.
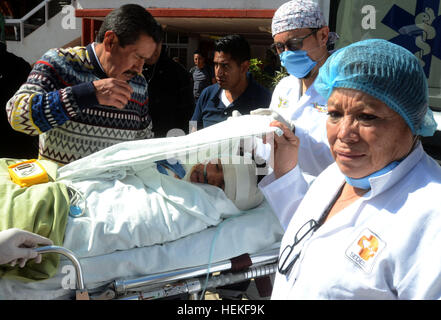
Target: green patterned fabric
x=42, y=209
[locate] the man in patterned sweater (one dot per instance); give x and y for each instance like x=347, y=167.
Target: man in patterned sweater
x=84, y=99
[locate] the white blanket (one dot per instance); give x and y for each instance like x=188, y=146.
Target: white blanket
x=142, y=209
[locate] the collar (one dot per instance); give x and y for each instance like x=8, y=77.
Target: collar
x=247, y=91
x=384, y=182
x=215, y=97
x=364, y=183
x=98, y=68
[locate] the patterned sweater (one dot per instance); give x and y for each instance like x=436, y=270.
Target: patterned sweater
x=58, y=102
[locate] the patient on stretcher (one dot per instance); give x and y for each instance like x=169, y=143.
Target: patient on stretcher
x=127, y=202
x=134, y=207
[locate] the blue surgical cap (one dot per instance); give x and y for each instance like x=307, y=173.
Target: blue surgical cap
x=386, y=71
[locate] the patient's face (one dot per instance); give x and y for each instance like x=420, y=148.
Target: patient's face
x=214, y=174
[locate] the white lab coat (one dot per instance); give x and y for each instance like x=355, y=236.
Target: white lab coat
x=309, y=113
x=385, y=245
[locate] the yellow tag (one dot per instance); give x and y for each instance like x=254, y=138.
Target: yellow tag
x=28, y=173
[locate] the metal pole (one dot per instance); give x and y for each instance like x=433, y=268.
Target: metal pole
x=194, y=286
x=46, y=12
x=21, y=30
x=122, y=286
x=68, y=254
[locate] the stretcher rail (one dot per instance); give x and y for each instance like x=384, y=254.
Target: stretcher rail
x=196, y=285
x=191, y=280
x=81, y=293
x=122, y=287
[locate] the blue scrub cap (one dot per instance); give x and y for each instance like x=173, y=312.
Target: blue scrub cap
x=386, y=71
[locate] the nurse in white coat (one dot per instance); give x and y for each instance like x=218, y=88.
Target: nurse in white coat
x=368, y=227
x=301, y=39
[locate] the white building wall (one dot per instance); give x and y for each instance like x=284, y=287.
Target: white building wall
x=198, y=4
x=52, y=35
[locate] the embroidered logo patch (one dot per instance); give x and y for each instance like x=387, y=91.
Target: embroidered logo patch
x=283, y=103
x=319, y=108
x=365, y=250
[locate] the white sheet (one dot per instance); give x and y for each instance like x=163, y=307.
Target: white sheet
x=214, y=141
x=142, y=209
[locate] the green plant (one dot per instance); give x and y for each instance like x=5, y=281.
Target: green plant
x=279, y=76
x=256, y=69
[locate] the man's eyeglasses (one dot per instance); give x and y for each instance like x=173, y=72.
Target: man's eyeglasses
x=292, y=44
x=284, y=267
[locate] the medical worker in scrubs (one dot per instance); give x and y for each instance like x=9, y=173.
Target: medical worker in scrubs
x=369, y=225
x=301, y=39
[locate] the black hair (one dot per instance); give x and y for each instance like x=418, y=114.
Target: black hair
x=129, y=22
x=236, y=46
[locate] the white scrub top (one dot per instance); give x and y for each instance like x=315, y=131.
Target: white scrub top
x=386, y=245
x=309, y=113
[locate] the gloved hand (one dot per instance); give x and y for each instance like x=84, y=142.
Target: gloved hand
x=234, y=114
x=285, y=147
x=16, y=246
x=275, y=116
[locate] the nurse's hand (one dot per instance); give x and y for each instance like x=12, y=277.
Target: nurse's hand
x=274, y=116
x=285, y=149
x=16, y=246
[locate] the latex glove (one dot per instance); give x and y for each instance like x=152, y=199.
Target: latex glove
x=285, y=148
x=16, y=246
x=234, y=114
x=275, y=116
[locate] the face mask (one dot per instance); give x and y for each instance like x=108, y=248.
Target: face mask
x=364, y=183
x=175, y=166
x=297, y=63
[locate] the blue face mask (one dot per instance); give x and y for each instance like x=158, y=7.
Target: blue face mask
x=297, y=63
x=364, y=183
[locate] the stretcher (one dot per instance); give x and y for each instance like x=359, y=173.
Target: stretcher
x=192, y=264
x=193, y=282
x=226, y=254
